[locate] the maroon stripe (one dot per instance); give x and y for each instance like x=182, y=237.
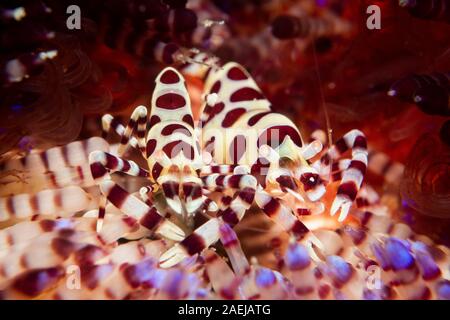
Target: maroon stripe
x=236, y=73
x=114, y=123
x=299, y=229
x=169, y=77
x=126, y=165
x=58, y=199
x=111, y=161
x=275, y=135
x=253, y=120
x=151, y=219
x=140, y=134
x=143, y=173
x=192, y=189
x=34, y=203
x=246, y=94
x=156, y=170
x=341, y=145
x=141, y=121
x=219, y=180
x=151, y=146
x=178, y=128
x=234, y=180
x=44, y=159
x=287, y=182
x=101, y=212
x=360, y=142
x=98, y=170
x=335, y=167
x=226, y=200
x=216, y=87
x=303, y=212
x=232, y=116
x=130, y=221
x=53, y=179
x=193, y=244
x=215, y=169
x=349, y=189
x=358, y=165
x=170, y=189
x=170, y=101
x=173, y=148
x=47, y=225
x=336, y=176
x=271, y=208
x=247, y=195
x=229, y=216
x=117, y=196
x=132, y=124
x=80, y=172
x=124, y=140
x=154, y=120
x=188, y=119
x=361, y=202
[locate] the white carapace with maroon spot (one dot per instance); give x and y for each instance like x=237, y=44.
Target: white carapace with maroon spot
x=241, y=154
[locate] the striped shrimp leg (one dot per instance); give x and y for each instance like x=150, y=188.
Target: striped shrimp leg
x=59, y=166
x=244, y=187
x=353, y=176
x=281, y=214
x=65, y=201
x=379, y=163
x=111, y=124
x=104, y=163
x=148, y=217
x=137, y=124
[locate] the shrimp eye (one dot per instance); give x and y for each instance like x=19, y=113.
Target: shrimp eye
x=310, y=180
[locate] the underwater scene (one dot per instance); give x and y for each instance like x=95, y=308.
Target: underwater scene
x=225, y=149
